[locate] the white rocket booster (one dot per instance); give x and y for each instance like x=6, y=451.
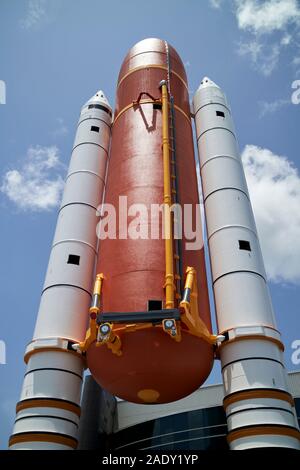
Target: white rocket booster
x=49, y=408
x=260, y=411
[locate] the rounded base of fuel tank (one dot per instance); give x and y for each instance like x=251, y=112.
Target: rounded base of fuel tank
x=153, y=367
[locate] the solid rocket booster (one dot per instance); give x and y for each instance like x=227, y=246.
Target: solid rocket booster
x=260, y=411
x=49, y=408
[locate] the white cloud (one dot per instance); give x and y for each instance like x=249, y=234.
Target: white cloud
x=270, y=60
x=37, y=186
x=286, y=40
x=35, y=13
x=61, y=128
x=216, y=3
x=252, y=48
x=269, y=27
x=266, y=24
x=264, y=58
x=267, y=16
x=274, y=186
x=272, y=106
x=296, y=61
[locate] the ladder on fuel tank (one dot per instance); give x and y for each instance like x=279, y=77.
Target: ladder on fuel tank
x=174, y=184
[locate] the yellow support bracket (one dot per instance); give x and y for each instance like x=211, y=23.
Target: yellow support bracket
x=172, y=328
x=91, y=334
x=136, y=326
x=107, y=336
x=189, y=308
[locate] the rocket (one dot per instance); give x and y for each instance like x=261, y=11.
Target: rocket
x=49, y=408
x=126, y=296
x=260, y=411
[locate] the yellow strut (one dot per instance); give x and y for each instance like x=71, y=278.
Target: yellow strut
x=91, y=333
x=189, y=308
x=98, y=286
x=169, y=279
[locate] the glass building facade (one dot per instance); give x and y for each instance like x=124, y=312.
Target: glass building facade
x=203, y=429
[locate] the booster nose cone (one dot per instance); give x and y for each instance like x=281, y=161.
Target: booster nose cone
x=99, y=98
x=208, y=91
x=207, y=82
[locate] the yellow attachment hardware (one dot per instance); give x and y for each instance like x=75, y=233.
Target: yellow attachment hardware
x=90, y=336
x=169, y=277
x=136, y=326
x=98, y=284
x=108, y=337
x=91, y=333
x=95, y=307
x=172, y=328
x=189, y=307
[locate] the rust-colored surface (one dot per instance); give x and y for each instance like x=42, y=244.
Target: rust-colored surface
x=152, y=364
x=152, y=360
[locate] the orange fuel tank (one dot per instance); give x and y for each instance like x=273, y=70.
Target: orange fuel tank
x=152, y=367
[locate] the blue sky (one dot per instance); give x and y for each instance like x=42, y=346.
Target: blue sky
x=56, y=54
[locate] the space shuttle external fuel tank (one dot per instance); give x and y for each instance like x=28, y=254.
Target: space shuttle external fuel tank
x=151, y=163
x=126, y=291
